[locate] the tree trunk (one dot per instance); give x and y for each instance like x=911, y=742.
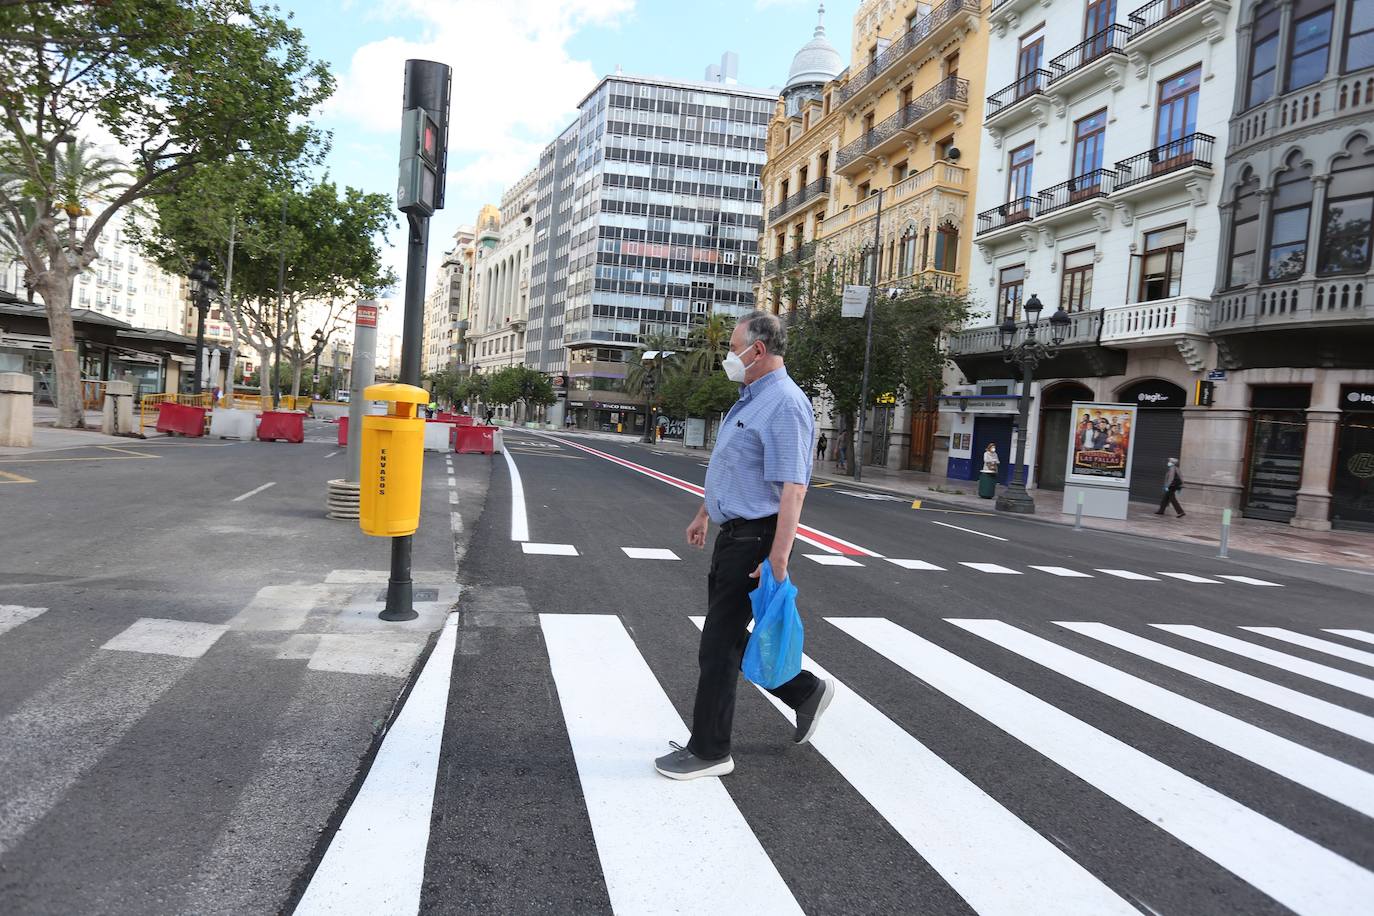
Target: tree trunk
x=56, y=290
x=265, y=369
x=297, y=366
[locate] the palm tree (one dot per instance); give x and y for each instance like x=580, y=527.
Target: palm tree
x=636, y=369
x=710, y=341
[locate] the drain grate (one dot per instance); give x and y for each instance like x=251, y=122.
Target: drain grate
x=418, y=594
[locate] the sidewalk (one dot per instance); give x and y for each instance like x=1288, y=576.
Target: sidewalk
x=1351, y=550
x=47, y=438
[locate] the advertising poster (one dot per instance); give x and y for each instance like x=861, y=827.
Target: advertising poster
x=1100, y=444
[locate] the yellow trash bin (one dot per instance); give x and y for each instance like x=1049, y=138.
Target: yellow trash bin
x=392, y=462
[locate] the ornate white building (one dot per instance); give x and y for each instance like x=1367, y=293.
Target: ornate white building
x=501, y=290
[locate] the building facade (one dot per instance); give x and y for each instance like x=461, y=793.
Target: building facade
x=445, y=305
x=872, y=166
x=646, y=220
x=501, y=310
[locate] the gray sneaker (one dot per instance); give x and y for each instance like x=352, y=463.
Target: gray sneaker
x=809, y=713
x=683, y=764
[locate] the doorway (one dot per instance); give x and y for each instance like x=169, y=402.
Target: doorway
x=1158, y=434
x=997, y=430
x=1278, y=435
x=1056, y=428
x=1352, y=483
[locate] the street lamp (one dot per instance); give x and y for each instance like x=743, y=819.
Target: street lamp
x=652, y=379
x=203, y=287
x=1028, y=354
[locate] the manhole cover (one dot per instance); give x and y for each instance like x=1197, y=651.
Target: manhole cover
x=419, y=594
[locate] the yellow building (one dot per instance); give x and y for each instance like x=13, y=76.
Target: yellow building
x=886, y=147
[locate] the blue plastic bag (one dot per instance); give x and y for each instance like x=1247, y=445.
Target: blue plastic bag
x=774, y=653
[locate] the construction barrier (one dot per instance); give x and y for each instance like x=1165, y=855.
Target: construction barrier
x=181, y=419
x=231, y=424
x=150, y=405
x=437, y=438
x=464, y=420
x=472, y=440
x=287, y=425
x=343, y=431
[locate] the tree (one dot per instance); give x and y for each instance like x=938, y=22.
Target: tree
x=445, y=386
x=636, y=368
x=175, y=83
x=472, y=390
x=710, y=341
x=522, y=384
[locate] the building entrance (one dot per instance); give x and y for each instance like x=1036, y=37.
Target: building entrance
x=1158, y=434
x=1352, y=484
x=1278, y=434
x=1056, y=427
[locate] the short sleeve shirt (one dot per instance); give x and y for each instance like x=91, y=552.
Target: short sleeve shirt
x=766, y=440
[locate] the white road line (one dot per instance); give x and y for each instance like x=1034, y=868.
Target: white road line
x=12, y=615
x=376, y=862
x=649, y=553
x=1247, y=580
x=992, y=568
x=452, y=482
x=253, y=492
x=1347, y=721
x=332, y=454
x=991, y=857
x=916, y=564
x=1063, y=571
x=831, y=559
x=1357, y=656
x=968, y=530
x=1359, y=635
x=1127, y=574
x=554, y=550
x=519, y=521
x=455, y=522
x=1337, y=780
x=453, y=499
x=155, y=636
x=1291, y=663
x=660, y=841
x=1292, y=869
x=1189, y=577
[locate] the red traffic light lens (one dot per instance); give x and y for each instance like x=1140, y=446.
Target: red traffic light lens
x=429, y=141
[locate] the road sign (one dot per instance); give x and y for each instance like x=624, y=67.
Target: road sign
x=855, y=301
x=1216, y=375
x=888, y=399
x=366, y=316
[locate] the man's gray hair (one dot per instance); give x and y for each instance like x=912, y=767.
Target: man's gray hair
x=767, y=327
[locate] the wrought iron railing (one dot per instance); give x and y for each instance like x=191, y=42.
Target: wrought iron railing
x=1111, y=40
x=1155, y=12
x=789, y=259
x=912, y=37
x=1025, y=86
x=1185, y=152
x=949, y=89
x=1097, y=183
x=1013, y=211
x=810, y=192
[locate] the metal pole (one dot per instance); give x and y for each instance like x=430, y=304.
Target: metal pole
x=399, y=587
x=1015, y=498
x=868, y=337
x=363, y=375
x=1225, y=533
x=1078, y=513
x=202, y=304
x=281, y=292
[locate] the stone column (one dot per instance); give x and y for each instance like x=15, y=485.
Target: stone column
x=16, y=409
x=118, y=418
x=1314, y=222
x=1314, y=492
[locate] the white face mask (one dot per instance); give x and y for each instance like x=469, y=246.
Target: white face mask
x=734, y=367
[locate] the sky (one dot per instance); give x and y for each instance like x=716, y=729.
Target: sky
x=519, y=68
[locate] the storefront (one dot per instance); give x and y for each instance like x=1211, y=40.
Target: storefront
x=607, y=416
x=1056, y=427
x=1158, y=434
x=979, y=419
x=1273, y=466
x=1352, y=481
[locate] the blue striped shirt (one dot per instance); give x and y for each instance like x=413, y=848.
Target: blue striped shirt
x=764, y=442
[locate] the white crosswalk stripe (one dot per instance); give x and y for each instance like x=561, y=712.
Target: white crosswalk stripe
x=992, y=568
x=1360, y=635
x=555, y=550
x=1317, y=672
x=831, y=559
x=12, y=615
x=916, y=564
x=1063, y=572
x=1357, y=656
x=1250, y=580
x=649, y=553
x=1127, y=574
x=1189, y=577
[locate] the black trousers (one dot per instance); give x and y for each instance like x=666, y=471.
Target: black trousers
x=740, y=547
x=1170, y=496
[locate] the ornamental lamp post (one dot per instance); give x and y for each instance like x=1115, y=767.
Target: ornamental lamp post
x=318, y=338
x=203, y=286
x=1028, y=354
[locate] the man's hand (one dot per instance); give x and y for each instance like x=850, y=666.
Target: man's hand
x=778, y=565
x=696, y=532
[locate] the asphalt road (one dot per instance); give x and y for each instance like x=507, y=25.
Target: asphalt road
x=1000, y=763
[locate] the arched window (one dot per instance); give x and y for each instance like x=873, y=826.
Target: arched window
x=1349, y=215
x=909, y=253
x=946, y=247
x=1244, y=231
x=1286, y=257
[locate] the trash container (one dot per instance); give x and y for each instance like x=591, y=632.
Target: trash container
x=392, y=462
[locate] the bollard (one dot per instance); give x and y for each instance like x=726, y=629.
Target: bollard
x=16, y=409
x=1225, y=533
x=1078, y=513
x=117, y=417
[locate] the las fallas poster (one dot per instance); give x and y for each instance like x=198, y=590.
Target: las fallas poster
x=1101, y=445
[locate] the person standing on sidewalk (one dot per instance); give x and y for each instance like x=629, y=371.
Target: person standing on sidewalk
x=987, y=480
x=1173, y=482
x=755, y=485
x=821, y=443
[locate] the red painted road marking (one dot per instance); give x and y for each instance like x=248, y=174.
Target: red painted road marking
x=809, y=535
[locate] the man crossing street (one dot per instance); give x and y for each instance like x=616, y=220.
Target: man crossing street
x=755, y=486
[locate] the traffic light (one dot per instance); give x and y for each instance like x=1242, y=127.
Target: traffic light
x=424, y=137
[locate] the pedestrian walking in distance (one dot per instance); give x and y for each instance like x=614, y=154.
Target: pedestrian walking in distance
x=821, y=443
x=755, y=486
x=1173, y=482
x=987, y=479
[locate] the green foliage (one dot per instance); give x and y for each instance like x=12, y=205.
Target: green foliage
x=445, y=386
x=520, y=383
x=710, y=340
x=637, y=370
x=714, y=394
x=472, y=389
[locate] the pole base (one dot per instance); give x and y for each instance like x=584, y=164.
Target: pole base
x=399, y=601
x=1016, y=499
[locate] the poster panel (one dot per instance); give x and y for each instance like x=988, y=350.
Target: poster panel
x=1101, y=444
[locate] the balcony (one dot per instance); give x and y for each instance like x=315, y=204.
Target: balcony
x=933, y=30
x=1006, y=13
x=1165, y=165
x=790, y=260
x=1002, y=103
x=932, y=108
x=1006, y=216
x=1308, y=108
x=978, y=351
x=820, y=188
x=1087, y=63
x=1151, y=324
x=1063, y=200
x=1162, y=22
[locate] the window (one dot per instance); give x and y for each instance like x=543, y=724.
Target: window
x=946, y=247
x=1244, y=234
x=1311, y=42
x=1292, y=210
x=1089, y=137
x=1028, y=60
x=1162, y=273
x=1349, y=213
x=1177, y=117
x=1020, y=163
x=866, y=265
x=943, y=147
x=864, y=190
x=1359, y=36
x=1100, y=16
x=824, y=165
x=899, y=171
x=952, y=65
x=908, y=254
x=1076, y=287
x=1011, y=284
x=868, y=124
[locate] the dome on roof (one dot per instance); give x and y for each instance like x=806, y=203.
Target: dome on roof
x=816, y=62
